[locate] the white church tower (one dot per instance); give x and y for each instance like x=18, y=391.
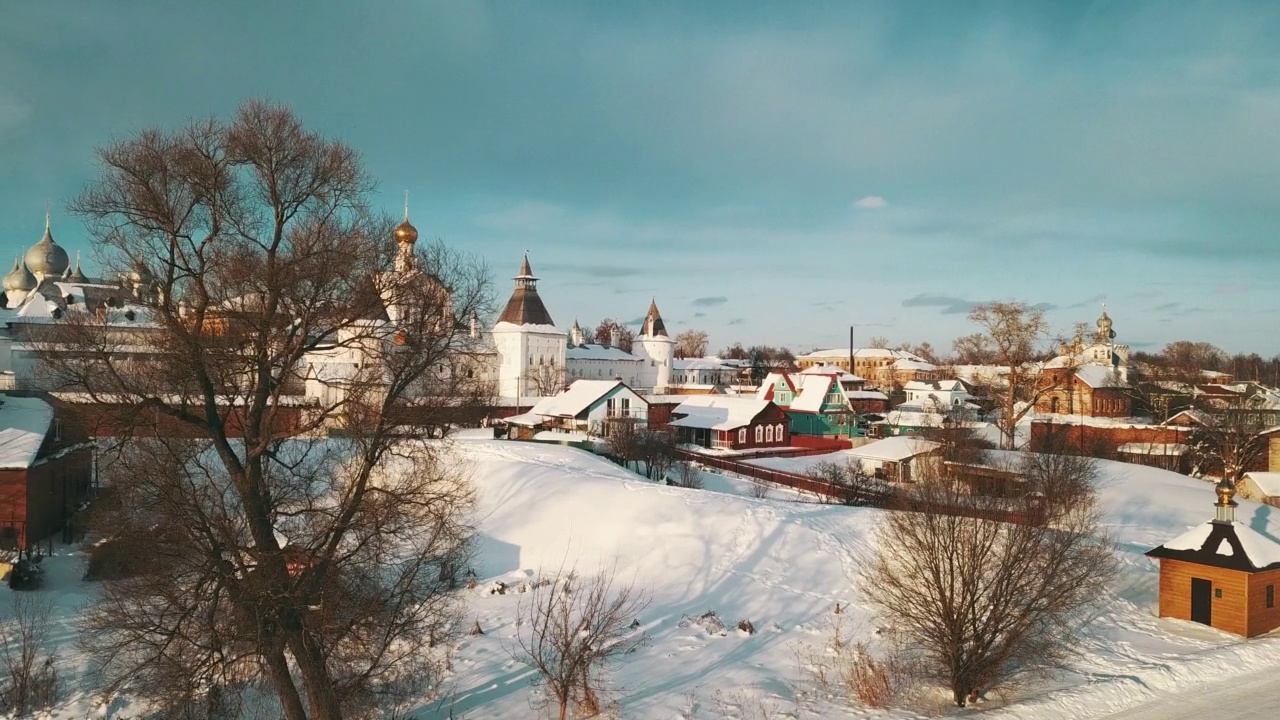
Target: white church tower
x=657, y=349
x=531, y=349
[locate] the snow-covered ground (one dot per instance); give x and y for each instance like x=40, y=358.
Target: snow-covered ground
x=783, y=565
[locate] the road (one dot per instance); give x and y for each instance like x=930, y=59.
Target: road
x=1255, y=696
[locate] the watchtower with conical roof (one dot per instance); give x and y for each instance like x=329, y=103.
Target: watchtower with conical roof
x=656, y=348
x=530, y=346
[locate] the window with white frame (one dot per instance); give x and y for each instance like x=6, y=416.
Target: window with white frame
x=778, y=434
x=768, y=433
x=742, y=435
x=759, y=433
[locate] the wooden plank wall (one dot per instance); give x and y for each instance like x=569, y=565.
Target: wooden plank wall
x=1230, y=612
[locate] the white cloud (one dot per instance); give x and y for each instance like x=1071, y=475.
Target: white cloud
x=872, y=202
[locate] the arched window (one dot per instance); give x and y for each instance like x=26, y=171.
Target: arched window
x=742, y=435
x=759, y=433
x=768, y=433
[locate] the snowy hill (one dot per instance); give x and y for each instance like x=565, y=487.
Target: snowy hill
x=783, y=565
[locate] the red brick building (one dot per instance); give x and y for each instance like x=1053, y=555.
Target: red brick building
x=1092, y=390
x=46, y=470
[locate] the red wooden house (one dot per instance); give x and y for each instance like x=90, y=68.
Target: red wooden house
x=730, y=422
x=46, y=471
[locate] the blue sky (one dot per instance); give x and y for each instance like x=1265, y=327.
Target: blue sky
x=771, y=173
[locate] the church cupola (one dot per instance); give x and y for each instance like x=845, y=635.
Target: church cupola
x=47, y=259
x=77, y=275
x=576, y=336
x=1105, y=333
x=1226, y=506
x=19, y=279
x=406, y=235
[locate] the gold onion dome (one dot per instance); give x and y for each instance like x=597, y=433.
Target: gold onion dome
x=19, y=278
x=47, y=258
x=406, y=232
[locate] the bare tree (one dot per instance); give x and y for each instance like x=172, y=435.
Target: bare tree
x=691, y=344
x=1230, y=443
x=265, y=550
x=880, y=342
x=610, y=330
x=987, y=603
x=546, y=379
x=576, y=628
x=31, y=677
x=760, y=489
x=856, y=486
x=1013, y=333
x=658, y=450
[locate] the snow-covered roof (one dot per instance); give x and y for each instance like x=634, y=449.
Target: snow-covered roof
x=526, y=419
x=582, y=394
x=703, y=363
x=24, y=423
x=895, y=449
x=718, y=412
x=929, y=385
x=1097, y=376
x=598, y=352
x=527, y=327
x=907, y=364
x=865, y=395
x=1199, y=417
x=913, y=418
x=1268, y=483
x=1142, y=448
x=844, y=353
x=813, y=392
x=835, y=370
x=1212, y=543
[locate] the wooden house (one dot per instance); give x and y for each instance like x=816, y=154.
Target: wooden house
x=46, y=471
x=730, y=422
x=816, y=400
x=1221, y=573
x=1260, y=487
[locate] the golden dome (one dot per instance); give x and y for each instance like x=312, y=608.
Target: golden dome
x=406, y=232
x=1226, y=492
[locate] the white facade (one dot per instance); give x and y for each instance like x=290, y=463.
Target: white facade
x=943, y=394
x=526, y=355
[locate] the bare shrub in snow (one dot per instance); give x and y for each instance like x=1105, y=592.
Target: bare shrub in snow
x=31, y=678
x=855, y=672
x=760, y=488
x=747, y=704
x=687, y=474
x=986, y=603
x=709, y=621
x=854, y=485
x=577, y=628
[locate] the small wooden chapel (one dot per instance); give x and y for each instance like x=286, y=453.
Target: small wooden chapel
x=1222, y=573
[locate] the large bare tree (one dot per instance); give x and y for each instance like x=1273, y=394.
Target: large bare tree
x=308, y=542
x=1011, y=338
x=988, y=603
x=691, y=344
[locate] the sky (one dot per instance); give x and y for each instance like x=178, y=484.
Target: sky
x=768, y=172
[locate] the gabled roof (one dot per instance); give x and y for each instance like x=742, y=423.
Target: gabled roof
x=813, y=393
x=1097, y=376
x=1194, y=416
x=24, y=423
x=895, y=449
x=718, y=412
x=944, y=385
x=580, y=397
x=1267, y=482
x=1233, y=545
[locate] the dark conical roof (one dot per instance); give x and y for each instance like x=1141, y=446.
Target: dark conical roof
x=525, y=307
x=653, y=325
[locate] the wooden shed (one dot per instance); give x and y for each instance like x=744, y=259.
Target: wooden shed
x=1222, y=573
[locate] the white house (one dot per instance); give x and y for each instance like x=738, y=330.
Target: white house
x=939, y=395
x=586, y=406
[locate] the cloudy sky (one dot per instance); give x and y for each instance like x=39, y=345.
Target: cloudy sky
x=771, y=173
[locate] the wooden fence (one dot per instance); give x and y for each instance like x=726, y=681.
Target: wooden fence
x=982, y=507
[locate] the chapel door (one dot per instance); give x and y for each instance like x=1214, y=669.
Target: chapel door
x=1201, y=601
